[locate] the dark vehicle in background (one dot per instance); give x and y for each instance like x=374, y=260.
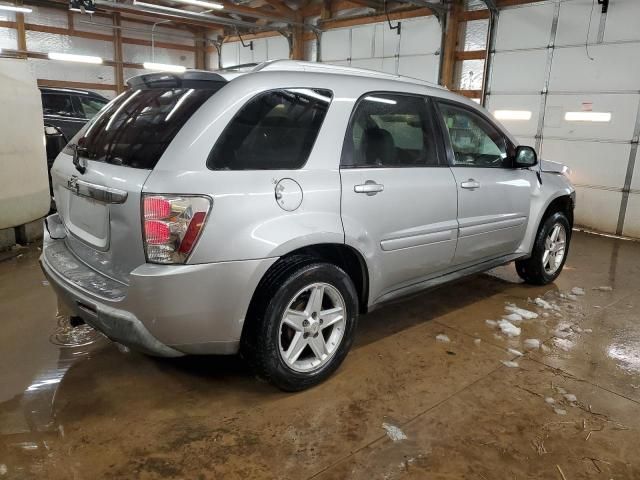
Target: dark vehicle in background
x=66, y=110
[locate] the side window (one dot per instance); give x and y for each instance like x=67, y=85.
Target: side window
x=475, y=142
x=57, y=104
x=274, y=131
x=390, y=130
x=90, y=106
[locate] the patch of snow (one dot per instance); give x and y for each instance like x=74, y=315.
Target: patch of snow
x=550, y=400
x=570, y=397
x=498, y=337
x=491, y=323
x=526, y=314
x=513, y=317
x=560, y=411
x=604, y=288
x=508, y=328
x=563, y=344
x=3, y=469
x=510, y=364
x=513, y=351
x=571, y=296
x=561, y=390
x=442, y=338
x=588, y=330
x=546, y=314
x=577, y=291
x=393, y=432
x=477, y=341
x=532, y=343
x=543, y=304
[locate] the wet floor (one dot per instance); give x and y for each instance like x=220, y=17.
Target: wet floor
x=430, y=390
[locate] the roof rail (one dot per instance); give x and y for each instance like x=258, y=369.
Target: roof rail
x=300, y=66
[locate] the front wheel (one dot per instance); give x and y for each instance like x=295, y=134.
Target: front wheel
x=549, y=251
x=304, y=327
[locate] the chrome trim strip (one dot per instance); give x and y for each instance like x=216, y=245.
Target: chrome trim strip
x=97, y=192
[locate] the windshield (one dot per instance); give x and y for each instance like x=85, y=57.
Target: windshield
x=135, y=129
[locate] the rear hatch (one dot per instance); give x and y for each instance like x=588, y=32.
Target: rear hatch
x=98, y=178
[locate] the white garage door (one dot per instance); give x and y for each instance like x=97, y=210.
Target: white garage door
x=234, y=53
x=584, y=101
x=414, y=53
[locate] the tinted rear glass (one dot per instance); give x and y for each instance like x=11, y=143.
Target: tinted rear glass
x=135, y=129
x=275, y=130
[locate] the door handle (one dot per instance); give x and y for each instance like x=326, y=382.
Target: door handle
x=369, y=187
x=470, y=184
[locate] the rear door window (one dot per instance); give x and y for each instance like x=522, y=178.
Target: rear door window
x=137, y=127
x=275, y=130
x=58, y=104
x=90, y=106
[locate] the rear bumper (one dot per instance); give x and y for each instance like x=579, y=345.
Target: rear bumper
x=166, y=310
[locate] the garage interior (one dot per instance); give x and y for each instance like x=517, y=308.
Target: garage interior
x=432, y=388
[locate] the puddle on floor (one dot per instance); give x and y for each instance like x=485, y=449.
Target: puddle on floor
x=70, y=334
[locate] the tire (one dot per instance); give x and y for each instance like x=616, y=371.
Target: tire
x=536, y=270
x=268, y=339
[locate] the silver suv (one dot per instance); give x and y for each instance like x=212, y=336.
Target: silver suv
x=262, y=212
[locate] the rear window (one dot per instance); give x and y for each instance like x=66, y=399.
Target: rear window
x=135, y=129
x=275, y=130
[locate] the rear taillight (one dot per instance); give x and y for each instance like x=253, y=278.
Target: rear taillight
x=172, y=225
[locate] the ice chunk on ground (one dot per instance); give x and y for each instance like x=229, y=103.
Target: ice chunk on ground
x=560, y=411
x=498, y=337
x=604, y=288
x=546, y=314
x=393, y=432
x=550, y=400
x=513, y=351
x=513, y=317
x=491, y=323
x=477, y=341
x=521, y=311
x=508, y=328
x=561, y=390
x=442, y=338
x=532, y=343
x=543, y=304
x=570, y=397
x=563, y=344
x=510, y=364
x=3, y=469
x=563, y=330
x=577, y=291
x=588, y=330
x=571, y=296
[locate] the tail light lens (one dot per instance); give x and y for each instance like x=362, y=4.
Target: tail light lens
x=172, y=226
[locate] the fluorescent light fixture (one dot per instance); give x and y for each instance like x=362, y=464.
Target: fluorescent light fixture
x=381, y=100
x=164, y=67
x=202, y=3
x=12, y=8
x=587, y=116
x=512, y=114
x=68, y=57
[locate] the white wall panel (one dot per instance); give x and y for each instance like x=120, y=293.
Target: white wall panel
x=420, y=36
x=132, y=72
x=142, y=31
x=142, y=53
x=519, y=71
x=635, y=180
x=390, y=41
x=6, y=16
x=362, y=42
x=623, y=21
x=423, y=67
x=591, y=163
x=390, y=65
x=528, y=26
x=335, y=45
x=230, y=54
x=8, y=38
x=85, y=23
x=623, y=109
x=277, y=47
x=530, y=103
x=597, y=209
x=51, y=17
x=245, y=55
x=632, y=217
x=69, y=71
x=573, y=22
x=260, y=50
x=522, y=140
x=369, y=63
x=574, y=71
x=49, y=42
x=311, y=51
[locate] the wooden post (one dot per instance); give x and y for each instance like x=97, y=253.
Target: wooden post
x=117, y=53
x=21, y=32
x=297, y=46
x=451, y=44
x=201, y=52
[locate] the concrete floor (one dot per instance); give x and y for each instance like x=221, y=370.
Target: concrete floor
x=451, y=409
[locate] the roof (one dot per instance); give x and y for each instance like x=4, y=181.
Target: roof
x=77, y=91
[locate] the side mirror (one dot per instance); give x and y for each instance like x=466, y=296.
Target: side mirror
x=525, y=157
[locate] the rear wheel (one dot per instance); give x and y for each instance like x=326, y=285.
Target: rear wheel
x=303, y=325
x=549, y=251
